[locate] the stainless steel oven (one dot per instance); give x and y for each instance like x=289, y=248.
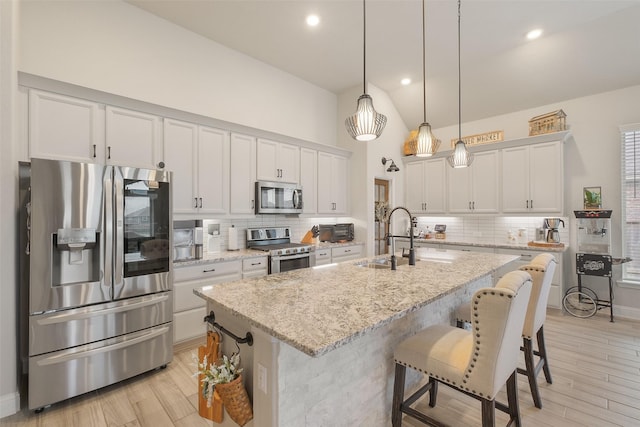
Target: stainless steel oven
x=283, y=255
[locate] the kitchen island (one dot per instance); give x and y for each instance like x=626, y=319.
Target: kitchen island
x=324, y=336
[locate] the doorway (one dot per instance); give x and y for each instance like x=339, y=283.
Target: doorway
x=381, y=205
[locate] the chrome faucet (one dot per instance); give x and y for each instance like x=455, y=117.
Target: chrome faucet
x=412, y=253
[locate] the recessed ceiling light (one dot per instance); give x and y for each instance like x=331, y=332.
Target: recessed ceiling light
x=405, y=81
x=534, y=34
x=313, y=20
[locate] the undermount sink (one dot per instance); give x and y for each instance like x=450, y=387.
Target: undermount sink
x=383, y=263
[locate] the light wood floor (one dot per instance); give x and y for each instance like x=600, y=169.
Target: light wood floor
x=595, y=366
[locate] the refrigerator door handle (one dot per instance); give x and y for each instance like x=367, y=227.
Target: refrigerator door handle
x=107, y=266
x=118, y=232
x=79, y=353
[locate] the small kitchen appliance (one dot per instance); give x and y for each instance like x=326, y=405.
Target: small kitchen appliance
x=283, y=255
x=336, y=232
x=187, y=240
x=440, y=231
x=552, y=225
x=278, y=198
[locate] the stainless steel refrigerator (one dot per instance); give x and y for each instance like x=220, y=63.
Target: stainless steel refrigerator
x=96, y=289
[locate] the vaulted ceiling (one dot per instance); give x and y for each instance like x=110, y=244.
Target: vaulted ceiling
x=588, y=46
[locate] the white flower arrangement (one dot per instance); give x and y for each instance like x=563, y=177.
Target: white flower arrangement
x=213, y=374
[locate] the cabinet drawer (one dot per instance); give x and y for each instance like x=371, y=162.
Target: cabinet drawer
x=323, y=256
x=215, y=272
x=252, y=264
x=344, y=253
x=189, y=324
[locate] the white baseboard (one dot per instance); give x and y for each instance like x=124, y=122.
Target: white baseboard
x=9, y=404
x=625, y=311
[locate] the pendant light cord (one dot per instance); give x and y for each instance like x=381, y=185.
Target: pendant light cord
x=364, y=46
x=459, y=82
x=424, y=59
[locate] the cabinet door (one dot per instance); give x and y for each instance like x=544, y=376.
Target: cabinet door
x=65, y=128
x=515, y=179
x=289, y=163
x=414, y=187
x=325, y=183
x=267, y=161
x=434, y=185
x=340, y=184
x=484, y=182
x=180, y=148
x=132, y=138
x=309, y=179
x=243, y=174
x=213, y=170
x=459, y=191
x=546, y=183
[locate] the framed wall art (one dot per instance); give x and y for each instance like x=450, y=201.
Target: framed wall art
x=592, y=197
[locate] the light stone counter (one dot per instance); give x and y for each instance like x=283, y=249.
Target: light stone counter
x=489, y=244
x=347, y=300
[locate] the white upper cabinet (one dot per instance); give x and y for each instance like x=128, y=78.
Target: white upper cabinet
x=475, y=189
x=333, y=183
x=132, y=138
x=65, y=128
x=277, y=161
x=243, y=174
x=309, y=180
x=425, y=187
x=532, y=178
x=197, y=156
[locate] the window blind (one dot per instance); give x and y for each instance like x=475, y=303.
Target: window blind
x=630, y=168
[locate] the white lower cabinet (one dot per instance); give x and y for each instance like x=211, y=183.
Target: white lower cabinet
x=323, y=256
x=188, y=309
x=346, y=253
x=255, y=267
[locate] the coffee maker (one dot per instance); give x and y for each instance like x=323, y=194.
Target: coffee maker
x=552, y=225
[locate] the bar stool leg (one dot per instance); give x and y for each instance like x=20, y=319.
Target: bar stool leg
x=542, y=352
x=398, y=395
x=531, y=371
x=512, y=398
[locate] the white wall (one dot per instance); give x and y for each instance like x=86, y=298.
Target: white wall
x=118, y=48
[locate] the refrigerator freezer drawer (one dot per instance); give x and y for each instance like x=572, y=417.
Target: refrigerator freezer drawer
x=71, y=328
x=63, y=374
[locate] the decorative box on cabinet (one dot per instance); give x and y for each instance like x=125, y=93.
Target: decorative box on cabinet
x=243, y=174
x=277, y=161
x=425, y=190
x=197, y=155
x=346, y=253
x=533, y=180
x=188, y=309
x=475, y=189
x=332, y=183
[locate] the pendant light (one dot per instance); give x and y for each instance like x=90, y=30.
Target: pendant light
x=366, y=124
x=427, y=143
x=461, y=157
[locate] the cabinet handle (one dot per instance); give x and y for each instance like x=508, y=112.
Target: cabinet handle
x=109, y=152
x=253, y=204
x=94, y=151
x=474, y=205
x=531, y=203
x=527, y=204
x=256, y=263
x=347, y=250
x=209, y=271
x=200, y=202
x=469, y=205
x=195, y=205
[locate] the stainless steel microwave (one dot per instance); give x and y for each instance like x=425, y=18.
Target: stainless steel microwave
x=278, y=198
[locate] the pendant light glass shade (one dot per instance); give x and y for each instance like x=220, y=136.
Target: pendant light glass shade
x=366, y=124
x=461, y=157
x=426, y=143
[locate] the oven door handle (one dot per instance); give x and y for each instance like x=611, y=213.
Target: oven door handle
x=292, y=256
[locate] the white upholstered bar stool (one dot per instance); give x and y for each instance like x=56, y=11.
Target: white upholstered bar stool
x=541, y=269
x=477, y=362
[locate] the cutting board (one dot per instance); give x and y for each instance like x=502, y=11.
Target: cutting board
x=545, y=245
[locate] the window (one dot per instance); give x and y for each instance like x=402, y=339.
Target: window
x=631, y=201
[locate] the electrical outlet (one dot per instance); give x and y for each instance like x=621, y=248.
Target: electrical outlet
x=262, y=378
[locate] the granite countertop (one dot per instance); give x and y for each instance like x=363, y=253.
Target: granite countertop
x=489, y=244
x=248, y=253
x=318, y=309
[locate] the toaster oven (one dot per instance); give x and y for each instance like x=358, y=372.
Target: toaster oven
x=336, y=232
